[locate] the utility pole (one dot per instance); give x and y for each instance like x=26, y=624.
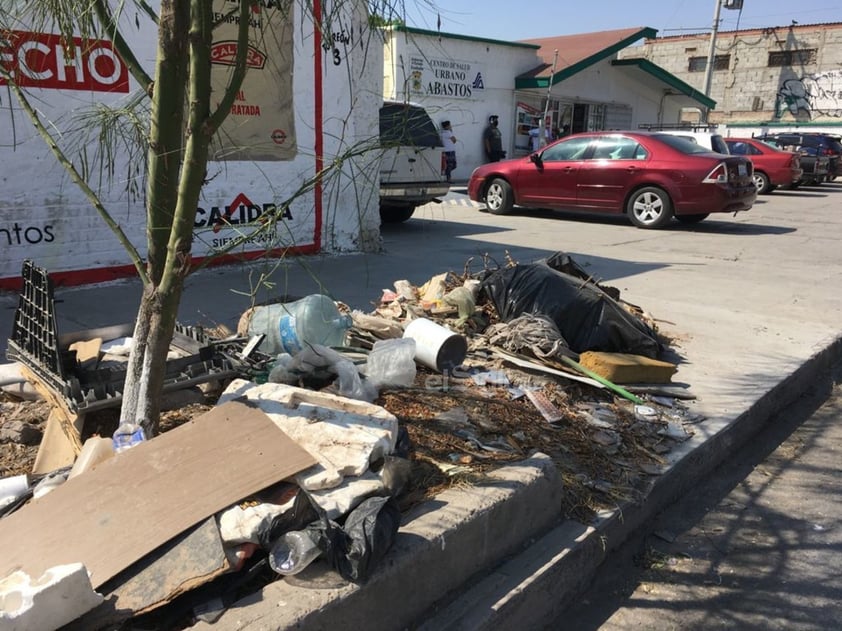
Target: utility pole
x=711, y=54
x=541, y=129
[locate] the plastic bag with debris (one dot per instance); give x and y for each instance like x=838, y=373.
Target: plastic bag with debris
x=586, y=317
x=316, y=366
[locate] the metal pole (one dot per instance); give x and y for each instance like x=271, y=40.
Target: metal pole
x=541, y=131
x=711, y=54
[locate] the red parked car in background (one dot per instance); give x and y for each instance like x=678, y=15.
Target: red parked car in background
x=649, y=176
x=773, y=167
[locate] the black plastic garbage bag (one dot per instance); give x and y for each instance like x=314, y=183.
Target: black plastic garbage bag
x=371, y=529
x=586, y=316
x=303, y=512
x=355, y=548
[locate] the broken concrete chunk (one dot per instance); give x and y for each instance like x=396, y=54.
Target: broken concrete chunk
x=20, y=433
x=627, y=368
x=57, y=597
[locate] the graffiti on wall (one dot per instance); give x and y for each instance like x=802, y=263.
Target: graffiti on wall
x=811, y=96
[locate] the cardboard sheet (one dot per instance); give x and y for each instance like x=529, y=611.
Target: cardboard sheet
x=129, y=505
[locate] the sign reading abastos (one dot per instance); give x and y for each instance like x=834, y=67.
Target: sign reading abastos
x=445, y=77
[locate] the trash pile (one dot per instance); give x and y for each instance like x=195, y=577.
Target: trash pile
x=325, y=424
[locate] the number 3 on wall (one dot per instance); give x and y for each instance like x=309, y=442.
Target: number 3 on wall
x=337, y=58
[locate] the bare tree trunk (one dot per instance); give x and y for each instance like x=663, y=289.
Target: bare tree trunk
x=153, y=331
x=177, y=166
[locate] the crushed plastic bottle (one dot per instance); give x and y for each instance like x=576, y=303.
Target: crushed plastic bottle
x=294, y=551
x=314, y=319
x=127, y=436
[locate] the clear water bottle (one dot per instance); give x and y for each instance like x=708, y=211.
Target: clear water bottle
x=127, y=436
x=288, y=326
x=294, y=551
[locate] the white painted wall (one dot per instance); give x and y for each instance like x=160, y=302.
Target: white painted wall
x=468, y=104
x=416, y=66
x=45, y=217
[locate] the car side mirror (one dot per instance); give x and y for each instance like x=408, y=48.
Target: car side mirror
x=535, y=158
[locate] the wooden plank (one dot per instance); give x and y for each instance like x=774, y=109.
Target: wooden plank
x=127, y=506
x=87, y=351
x=71, y=423
x=55, y=450
x=188, y=561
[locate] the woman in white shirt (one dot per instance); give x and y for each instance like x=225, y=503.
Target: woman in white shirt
x=448, y=156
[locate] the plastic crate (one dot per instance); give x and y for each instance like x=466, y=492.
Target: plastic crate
x=36, y=343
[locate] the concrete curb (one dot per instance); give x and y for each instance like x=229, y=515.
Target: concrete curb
x=539, y=584
x=441, y=545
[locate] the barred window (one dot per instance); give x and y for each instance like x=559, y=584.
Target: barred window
x=698, y=64
x=799, y=57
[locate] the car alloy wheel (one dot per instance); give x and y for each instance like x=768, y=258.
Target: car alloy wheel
x=498, y=198
x=761, y=182
x=649, y=207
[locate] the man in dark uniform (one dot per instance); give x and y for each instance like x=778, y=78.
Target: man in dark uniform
x=492, y=140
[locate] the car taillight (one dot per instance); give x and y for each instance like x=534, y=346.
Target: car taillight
x=827, y=152
x=719, y=175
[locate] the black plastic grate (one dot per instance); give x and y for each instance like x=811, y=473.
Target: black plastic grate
x=35, y=343
x=34, y=332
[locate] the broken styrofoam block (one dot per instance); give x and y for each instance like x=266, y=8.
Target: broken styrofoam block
x=627, y=368
x=243, y=524
x=344, y=435
x=57, y=597
x=340, y=500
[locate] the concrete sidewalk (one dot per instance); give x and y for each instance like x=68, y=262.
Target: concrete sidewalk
x=752, y=303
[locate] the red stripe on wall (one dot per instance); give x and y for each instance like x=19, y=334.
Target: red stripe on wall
x=317, y=107
x=73, y=278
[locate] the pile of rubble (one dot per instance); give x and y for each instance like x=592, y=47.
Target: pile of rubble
x=315, y=451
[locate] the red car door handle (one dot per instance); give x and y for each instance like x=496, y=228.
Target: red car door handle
x=631, y=169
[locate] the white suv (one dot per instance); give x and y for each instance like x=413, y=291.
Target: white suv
x=699, y=134
x=410, y=166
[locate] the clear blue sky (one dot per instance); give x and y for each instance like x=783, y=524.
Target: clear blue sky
x=512, y=20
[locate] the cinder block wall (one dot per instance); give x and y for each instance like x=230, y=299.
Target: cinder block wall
x=807, y=90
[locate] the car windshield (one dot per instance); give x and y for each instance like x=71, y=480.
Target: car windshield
x=771, y=144
x=679, y=143
x=739, y=148
x=403, y=124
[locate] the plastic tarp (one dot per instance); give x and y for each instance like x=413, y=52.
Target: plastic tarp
x=587, y=317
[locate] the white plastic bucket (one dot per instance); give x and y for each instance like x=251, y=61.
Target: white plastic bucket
x=436, y=347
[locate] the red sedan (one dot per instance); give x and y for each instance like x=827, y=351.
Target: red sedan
x=649, y=176
x=773, y=167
